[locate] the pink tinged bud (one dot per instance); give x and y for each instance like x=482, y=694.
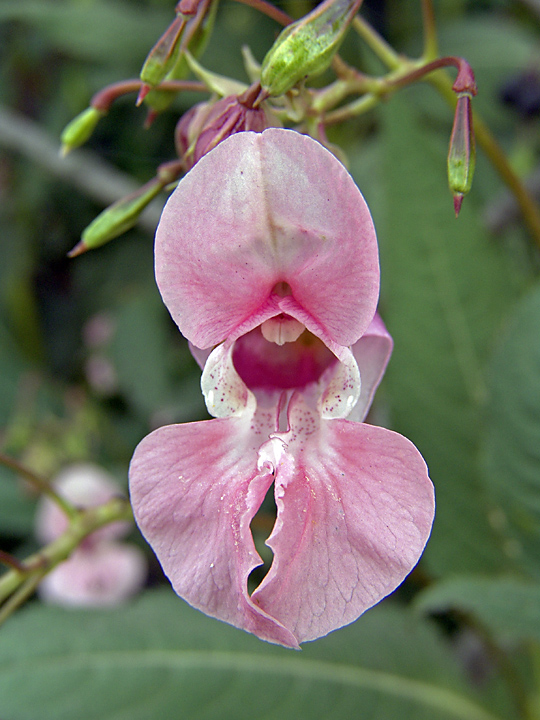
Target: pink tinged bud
x=462, y=153
x=205, y=125
x=162, y=57
x=101, y=571
x=85, y=486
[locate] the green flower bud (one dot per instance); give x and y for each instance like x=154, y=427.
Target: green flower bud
x=462, y=153
x=306, y=47
x=117, y=218
x=194, y=38
x=162, y=57
x=78, y=131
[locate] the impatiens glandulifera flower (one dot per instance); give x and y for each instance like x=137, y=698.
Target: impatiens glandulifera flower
x=267, y=259
x=101, y=572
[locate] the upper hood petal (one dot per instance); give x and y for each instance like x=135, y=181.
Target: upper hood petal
x=258, y=210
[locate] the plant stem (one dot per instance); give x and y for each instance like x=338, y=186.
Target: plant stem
x=270, y=10
x=40, y=483
x=431, y=50
x=17, y=584
x=103, y=99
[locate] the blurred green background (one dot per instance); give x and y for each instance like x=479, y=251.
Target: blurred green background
x=90, y=361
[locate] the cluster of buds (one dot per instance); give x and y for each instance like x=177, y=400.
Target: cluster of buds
x=277, y=97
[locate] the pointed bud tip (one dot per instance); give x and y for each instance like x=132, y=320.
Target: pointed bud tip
x=458, y=200
x=143, y=92
x=150, y=117
x=79, y=249
x=64, y=150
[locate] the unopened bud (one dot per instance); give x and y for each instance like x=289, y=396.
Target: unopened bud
x=204, y=126
x=194, y=38
x=306, y=47
x=78, y=131
x=162, y=57
x=117, y=218
x=462, y=153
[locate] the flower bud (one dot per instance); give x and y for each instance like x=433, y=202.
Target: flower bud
x=462, y=153
x=117, y=218
x=78, y=131
x=162, y=57
x=306, y=47
x=192, y=36
x=205, y=125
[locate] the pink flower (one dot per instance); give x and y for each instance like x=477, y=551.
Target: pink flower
x=267, y=259
x=101, y=572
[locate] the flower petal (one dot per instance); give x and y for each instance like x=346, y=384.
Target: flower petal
x=258, y=210
x=107, y=574
x=224, y=391
x=355, y=508
x=372, y=353
x=195, y=489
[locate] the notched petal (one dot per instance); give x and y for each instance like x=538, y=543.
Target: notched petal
x=355, y=508
x=195, y=489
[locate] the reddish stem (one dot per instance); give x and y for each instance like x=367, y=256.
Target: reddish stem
x=465, y=82
x=11, y=561
x=103, y=99
x=270, y=10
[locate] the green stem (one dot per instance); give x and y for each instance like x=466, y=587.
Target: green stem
x=431, y=49
x=37, y=565
x=40, y=483
x=21, y=594
x=362, y=105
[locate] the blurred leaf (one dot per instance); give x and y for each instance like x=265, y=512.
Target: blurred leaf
x=108, y=31
x=512, y=437
x=158, y=658
x=445, y=287
x=507, y=606
x=12, y=367
x=139, y=350
x=17, y=508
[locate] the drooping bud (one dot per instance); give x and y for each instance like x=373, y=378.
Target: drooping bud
x=462, y=152
x=188, y=130
x=306, y=47
x=205, y=125
x=78, y=131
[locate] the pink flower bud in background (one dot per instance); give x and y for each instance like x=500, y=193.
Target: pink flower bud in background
x=101, y=571
x=206, y=125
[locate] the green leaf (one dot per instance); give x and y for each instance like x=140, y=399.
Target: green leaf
x=507, y=606
x=512, y=437
x=158, y=658
x=445, y=287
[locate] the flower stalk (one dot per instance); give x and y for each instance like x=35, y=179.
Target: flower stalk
x=19, y=582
